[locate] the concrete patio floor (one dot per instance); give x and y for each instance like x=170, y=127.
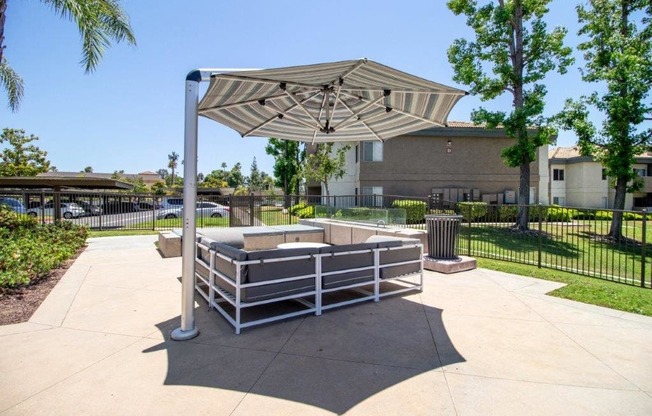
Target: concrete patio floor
x=473, y=343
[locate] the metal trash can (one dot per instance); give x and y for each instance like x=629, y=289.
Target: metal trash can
x=442, y=235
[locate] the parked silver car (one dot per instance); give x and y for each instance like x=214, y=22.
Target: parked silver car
x=204, y=209
x=68, y=210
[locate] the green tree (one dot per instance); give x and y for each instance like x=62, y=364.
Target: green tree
x=325, y=164
x=288, y=158
x=98, y=22
x=512, y=53
x=139, y=186
x=255, y=179
x=158, y=188
x=19, y=157
x=173, y=159
x=119, y=175
x=618, y=55
x=216, y=178
x=88, y=169
x=268, y=182
x=163, y=173
x=235, y=178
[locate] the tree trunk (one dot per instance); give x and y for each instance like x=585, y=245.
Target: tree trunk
x=615, y=232
x=523, y=197
x=3, y=9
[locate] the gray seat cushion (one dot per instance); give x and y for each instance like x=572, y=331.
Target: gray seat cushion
x=266, y=271
x=233, y=237
x=229, y=251
x=345, y=262
x=398, y=256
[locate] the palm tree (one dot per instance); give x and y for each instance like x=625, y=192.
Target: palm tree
x=172, y=164
x=98, y=21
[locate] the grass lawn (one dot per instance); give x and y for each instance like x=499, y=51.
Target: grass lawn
x=581, y=288
x=119, y=233
x=270, y=215
x=565, y=246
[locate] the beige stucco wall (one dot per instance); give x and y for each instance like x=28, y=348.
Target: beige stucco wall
x=349, y=182
x=585, y=187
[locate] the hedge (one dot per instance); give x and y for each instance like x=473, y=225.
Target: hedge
x=471, y=211
x=415, y=210
x=29, y=251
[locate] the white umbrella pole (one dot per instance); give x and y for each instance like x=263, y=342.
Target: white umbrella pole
x=188, y=330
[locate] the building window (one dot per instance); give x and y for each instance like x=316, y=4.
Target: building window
x=558, y=200
x=558, y=174
x=372, y=196
x=640, y=172
x=372, y=151
x=604, y=174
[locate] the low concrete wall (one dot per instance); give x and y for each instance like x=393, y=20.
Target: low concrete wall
x=341, y=232
x=255, y=238
x=169, y=244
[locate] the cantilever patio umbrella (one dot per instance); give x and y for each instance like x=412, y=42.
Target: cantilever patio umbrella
x=346, y=101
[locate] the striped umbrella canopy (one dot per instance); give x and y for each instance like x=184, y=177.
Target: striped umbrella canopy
x=356, y=100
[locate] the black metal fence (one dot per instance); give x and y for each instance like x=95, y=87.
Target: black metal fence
x=561, y=238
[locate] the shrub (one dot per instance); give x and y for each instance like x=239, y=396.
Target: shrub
x=631, y=216
x=507, y=212
x=603, y=215
x=556, y=213
x=472, y=210
x=307, y=212
x=297, y=207
x=537, y=211
x=29, y=251
x=415, y=211
x=11, y=220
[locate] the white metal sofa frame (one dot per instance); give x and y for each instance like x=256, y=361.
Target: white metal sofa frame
x=215, y=296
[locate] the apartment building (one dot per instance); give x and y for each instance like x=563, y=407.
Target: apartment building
x=459, y=162
x=580, y=181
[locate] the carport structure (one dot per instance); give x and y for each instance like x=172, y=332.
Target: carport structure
x=358, y=100
x=57, y=184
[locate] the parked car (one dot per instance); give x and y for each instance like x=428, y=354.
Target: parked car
x=204, y=209
x=68, y=210
x=89, y=208
x=13, y=204
x=171, y=202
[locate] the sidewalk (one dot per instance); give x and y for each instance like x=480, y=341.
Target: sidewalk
x=474, y=343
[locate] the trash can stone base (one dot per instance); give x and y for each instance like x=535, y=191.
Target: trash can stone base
x=461, y=264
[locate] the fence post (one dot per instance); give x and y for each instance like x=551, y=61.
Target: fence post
x=251, y=209
x=468, y=239
x=153, y=213
x=539, y=237
x=231, y=211
x=643, y=244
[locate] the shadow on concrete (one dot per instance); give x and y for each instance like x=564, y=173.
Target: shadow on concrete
x=334, y=361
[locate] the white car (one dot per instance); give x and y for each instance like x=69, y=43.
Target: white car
x=204, y=209
x=68, y=210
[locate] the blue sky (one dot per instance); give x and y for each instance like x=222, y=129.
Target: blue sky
x=128, y=114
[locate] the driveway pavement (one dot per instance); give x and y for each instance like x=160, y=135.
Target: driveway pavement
x=473, y=343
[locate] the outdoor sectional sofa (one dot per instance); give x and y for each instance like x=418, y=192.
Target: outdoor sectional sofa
x=255, y=287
